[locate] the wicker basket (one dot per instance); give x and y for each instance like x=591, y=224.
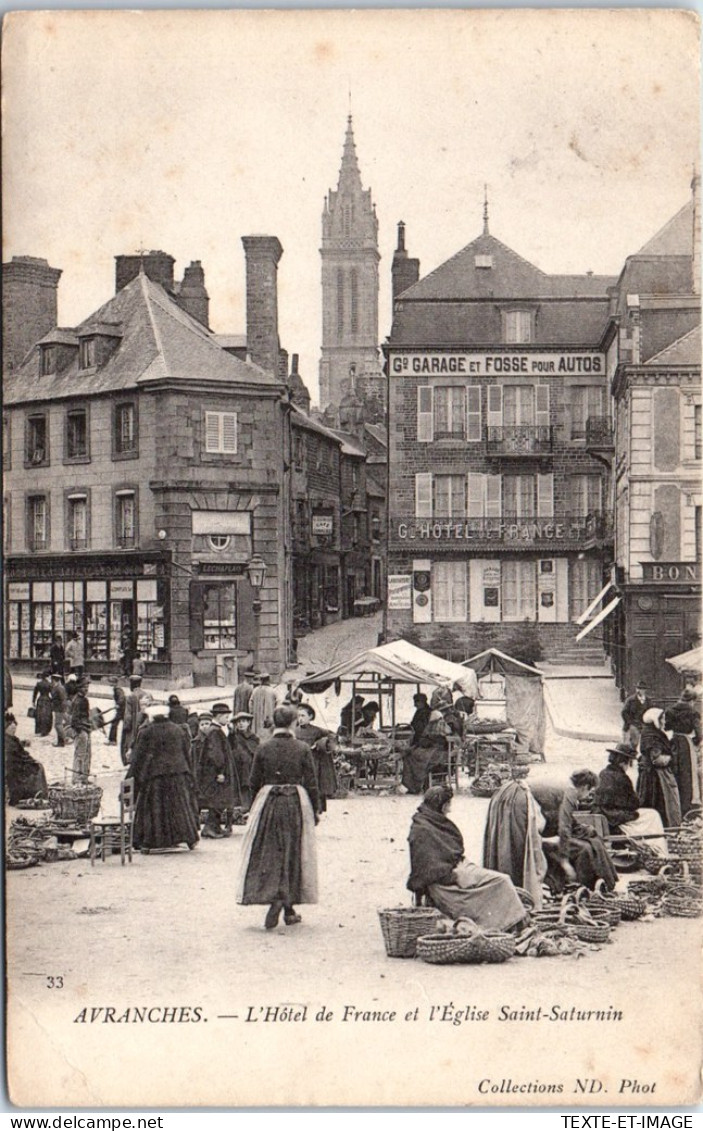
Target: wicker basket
x=683, y=907
x=631, y=907
x=402, y=926
x=489, y=946
x=685, y=847
x=592, y=932
x=79, y=803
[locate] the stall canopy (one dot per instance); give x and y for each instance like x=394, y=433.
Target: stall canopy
x=397, y=662
x=690, y=661
x=524, y=697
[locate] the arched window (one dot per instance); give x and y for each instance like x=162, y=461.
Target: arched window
x=340, y=301
x=354, y=300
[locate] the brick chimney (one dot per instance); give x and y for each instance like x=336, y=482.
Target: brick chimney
x=404, y=271
x=262, y=256
x=696, y=264
x=156, y=264
x=300, y=394
x=29, y=305
x=192, y=296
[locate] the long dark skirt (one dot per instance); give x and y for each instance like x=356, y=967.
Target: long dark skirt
x=417, y=765
x=25, y=782
x=657, y=789
x=44, y=716
x=326, y=776
x=275, y=870
x=167, y=813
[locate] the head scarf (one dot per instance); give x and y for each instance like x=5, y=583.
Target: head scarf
x=437, y=797
x=653, y=715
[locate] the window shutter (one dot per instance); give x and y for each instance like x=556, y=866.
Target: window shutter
x=545, y=495
x=493, y=509
x=425, y=428
x=495, y=405
x=473, y=413
x=527, y=590
x=229, y=433
x=508, y=577
x=476, y=493
x=212, y=431
x=542, y=406
x=423, y=494
x=197, y=636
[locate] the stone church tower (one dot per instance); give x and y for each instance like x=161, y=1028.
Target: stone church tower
x=350, y=258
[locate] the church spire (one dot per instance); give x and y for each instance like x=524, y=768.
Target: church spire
x=485, y=210
x=349, y=174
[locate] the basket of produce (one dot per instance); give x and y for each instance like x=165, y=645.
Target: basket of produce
x=601, y=904
x=588, y=925
x=492, y=778
x=401, y=927
x=683, y=907
x=15, y=861
x=75, y=802
x=685, y=842
x=462, y=941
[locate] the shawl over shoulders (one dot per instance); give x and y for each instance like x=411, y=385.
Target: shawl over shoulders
x=436, y=847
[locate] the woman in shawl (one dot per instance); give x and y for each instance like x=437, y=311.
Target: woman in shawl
x=616, y=799
x=24, y=776
x=41, y=701
x=439, y=870
x=166, y=809
x=681, y=719
x=512, y=842
x=656, y=784
x=322, y=744
x=429, y=754
x=572, y=852
x=279, y=862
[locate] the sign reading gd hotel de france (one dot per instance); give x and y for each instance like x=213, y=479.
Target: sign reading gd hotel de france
x=428, y=364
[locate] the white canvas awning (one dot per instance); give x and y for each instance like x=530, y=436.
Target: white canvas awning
x=593, y=605
x=599, y=617
x=691, y=661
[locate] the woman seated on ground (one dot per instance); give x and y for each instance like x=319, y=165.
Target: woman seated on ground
x=439, y=870
x=323, y=744
x=656, y=784
x=572, y=852
x=616, y=799
x=24, y=776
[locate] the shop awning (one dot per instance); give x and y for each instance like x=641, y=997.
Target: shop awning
x=599, y=617
x=690, y=661
x=593, y=605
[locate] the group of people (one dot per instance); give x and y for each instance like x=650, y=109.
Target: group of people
x=434, y=721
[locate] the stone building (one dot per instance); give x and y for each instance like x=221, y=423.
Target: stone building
x=654, y=351
x=146, y=476
x=499, y=522
x=29, y=306
x=350, y=260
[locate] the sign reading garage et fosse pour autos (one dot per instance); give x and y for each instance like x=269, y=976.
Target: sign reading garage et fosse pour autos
x=494, y=364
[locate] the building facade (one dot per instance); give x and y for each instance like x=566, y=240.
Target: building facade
x=655, y=363
x=145, y=469
x=498, y=504
x=350, y=260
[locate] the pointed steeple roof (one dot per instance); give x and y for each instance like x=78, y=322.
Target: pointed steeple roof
x=349, y=174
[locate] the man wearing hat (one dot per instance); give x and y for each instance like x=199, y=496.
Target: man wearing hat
x=616, y=799
x=262, y=705
x=242, y=693
x=59, y=700
x=131, y=716
x=177, y=713
x=216, y=774
x=243, y=745
x=81, y=727
x=633, y=709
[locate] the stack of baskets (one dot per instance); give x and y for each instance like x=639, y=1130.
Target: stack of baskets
x=75, y=802
x=402, y=927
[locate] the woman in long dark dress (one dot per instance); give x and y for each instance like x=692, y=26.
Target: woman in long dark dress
x=166, y=808
x=429, y=753
x=681, y=719
x=24, y=776
x=322, y=744
x=656, y=784
x=41, y=701
x=279, y=860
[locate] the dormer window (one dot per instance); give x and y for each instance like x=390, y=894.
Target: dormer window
x=88, y=353
x=517, y=327
x=48, y=360
x=483, y=262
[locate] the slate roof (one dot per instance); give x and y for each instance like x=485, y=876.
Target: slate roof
x=304, y=421
x=378, y=432
x=160, y=342
x=675, y=238
x=684, y=351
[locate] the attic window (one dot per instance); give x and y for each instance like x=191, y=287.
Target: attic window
x=48, y=360
x=483, y=261
x=88, y=353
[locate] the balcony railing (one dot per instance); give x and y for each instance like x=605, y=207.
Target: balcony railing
x=78, y=543
x=561, y=531
x=519, y=440
x=599, y=432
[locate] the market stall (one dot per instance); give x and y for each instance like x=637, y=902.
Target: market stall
x=511, y=692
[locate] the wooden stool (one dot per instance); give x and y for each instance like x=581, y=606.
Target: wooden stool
x=113, y=831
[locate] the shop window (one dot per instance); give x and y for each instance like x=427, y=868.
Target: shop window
x=517, y=327
x=519, y=591
x=77, y=434
x=18, y=621
x=6, y=449
x=697, y=431
x=37, y=440
x=88, y=353
x=220, y=616
x=151, y=641
x=96, y=625
x=125, y=431
x=47, y=360
x=449, y=591
x=449, y=412
x=126, y=519
x=42, y=621
x=77, y=519
x=37, y=522
x=68, y=607
x=221, y=433
x=586, y=401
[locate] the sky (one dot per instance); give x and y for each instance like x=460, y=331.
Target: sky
x=184, y=131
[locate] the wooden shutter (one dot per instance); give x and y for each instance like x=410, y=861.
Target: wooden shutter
x=495, y=405
x=493, y=508
x=527, y=591
x=475, y=495
x=473, y=413
x=508, y=578
x=229, y=433
x=545, y=495
x=542, y=405
x=423, y=494
x=212, y=432
x=425, y=427
x=197, y=635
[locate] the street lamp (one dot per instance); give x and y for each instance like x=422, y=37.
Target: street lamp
x=256, y=572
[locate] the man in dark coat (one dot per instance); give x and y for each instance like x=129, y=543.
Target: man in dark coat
x=633, y=709
x=615, y=795
x=216, y=774
x=57, y=657
x=242, y=694
x=131, y=716
x=59, y=702
x=81, y=727
x=243, y=745
x=177, y=713
x=120, y=699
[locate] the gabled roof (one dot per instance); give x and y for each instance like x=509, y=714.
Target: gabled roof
x=160, y=341
x=398, y=661
x=675, y=238
x=302, y=420
x=378, y=433
x=508, y=277
x=684, y=351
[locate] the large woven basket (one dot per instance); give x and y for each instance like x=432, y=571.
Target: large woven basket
x=683, y=907
x=592, y=932
x=488, y=946
x=630, y=907
x=402, y=926
x=686, y=847
x=79, y=803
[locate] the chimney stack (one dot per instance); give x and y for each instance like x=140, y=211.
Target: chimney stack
x=156, y=264
x=192, y=295
x=29, y=305
x=404, y=271
x=262, y=255
x=696, y=261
